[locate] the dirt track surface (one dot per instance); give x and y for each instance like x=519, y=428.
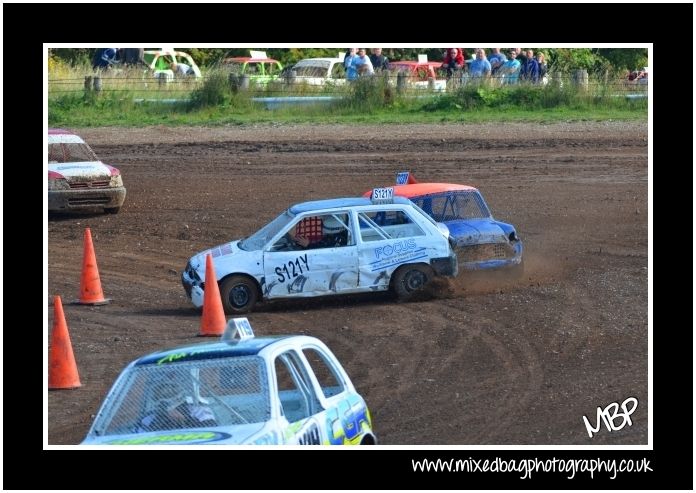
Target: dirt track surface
x=487, y=361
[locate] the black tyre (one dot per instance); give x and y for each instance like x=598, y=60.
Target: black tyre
x=112, y=210
x=239, y=294
x=411, y=279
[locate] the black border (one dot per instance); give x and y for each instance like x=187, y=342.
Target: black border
x=25, y=31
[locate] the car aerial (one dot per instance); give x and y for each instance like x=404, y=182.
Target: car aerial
x=77, y=179
x=418, y=74
x=318, y=71
x=242, y=390
x=481, y=241
x=160, y=62
x=259, y=68
x=327, y=247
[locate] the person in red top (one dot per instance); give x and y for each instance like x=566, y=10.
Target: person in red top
x=454, y=60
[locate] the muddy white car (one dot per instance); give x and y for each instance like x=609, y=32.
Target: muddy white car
x=327, y=247
x=77, y=179
x=243, y=390
x=318, y=72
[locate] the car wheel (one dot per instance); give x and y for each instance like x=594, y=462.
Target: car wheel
x=239, y=294
x=410, y=279
x=112, y=210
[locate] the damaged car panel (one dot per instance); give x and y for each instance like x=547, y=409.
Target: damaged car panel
x=327, y=247
x=77, y=179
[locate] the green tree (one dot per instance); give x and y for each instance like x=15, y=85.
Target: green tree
x=625, y=58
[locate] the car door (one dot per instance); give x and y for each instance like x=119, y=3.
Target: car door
x=324, y=266
x=388, y=237
x=346, y=415
x=302, y=419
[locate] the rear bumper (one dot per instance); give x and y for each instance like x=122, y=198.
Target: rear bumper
x=445, y=266
x=70, y=200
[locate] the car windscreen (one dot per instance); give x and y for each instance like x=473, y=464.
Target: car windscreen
x=451, y=206
x=259, y=239
x=203, y=393
x=317, y=68
x=70, y=153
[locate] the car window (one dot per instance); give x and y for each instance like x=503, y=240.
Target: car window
x=453, y=206
x=327, y=376
x=272, y=68
x=259, y=239
x=338, y=71
x=228, y=391
x=320, y=231
x=387, y=224
x=70, y=153
x=297, y=400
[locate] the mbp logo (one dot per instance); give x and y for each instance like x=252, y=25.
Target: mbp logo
x=610, y=414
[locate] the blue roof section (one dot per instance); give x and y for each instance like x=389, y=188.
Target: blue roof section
x=249, y=347
x=337, y=203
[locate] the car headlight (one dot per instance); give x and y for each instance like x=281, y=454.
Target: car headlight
x=116, y=181
x=58, y=184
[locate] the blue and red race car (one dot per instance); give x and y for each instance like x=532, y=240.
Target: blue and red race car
x=480, y=241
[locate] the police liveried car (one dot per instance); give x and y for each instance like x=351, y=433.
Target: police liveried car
x=326, y=247
x=242, y=390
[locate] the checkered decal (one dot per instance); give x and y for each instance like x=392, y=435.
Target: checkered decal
x=310, y=228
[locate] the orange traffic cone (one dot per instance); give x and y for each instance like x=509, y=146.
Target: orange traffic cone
x=90, y=284
x=62, y=370
x=213, y=322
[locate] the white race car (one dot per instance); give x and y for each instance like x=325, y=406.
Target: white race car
x=326, y=247
x=243, y=390
x=77, y=179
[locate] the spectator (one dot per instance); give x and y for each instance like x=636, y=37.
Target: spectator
x=521, y=57
x=171, y=411
x=181, y=69
x=105, y=58
x=132, y=56
x=510, y=70
x=481, y=67
x=529, y=70
x=351, y=71
x=453, y=62
x=496, y=60
x=543, y=69
x=379, y=61
x=362, y=63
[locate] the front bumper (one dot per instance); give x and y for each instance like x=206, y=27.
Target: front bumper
x=193, y=287
x=79, y=199
x=490, y=255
